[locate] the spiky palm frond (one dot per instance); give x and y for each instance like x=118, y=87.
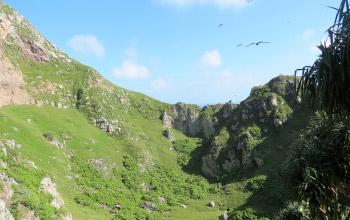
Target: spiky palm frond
x=326, y=84
x=318, y=167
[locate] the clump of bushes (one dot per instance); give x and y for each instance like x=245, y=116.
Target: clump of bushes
x=294, y=211
x=184, y=149
x=251, y=136
x=255, y=184
x=318, y=165
x=222, y=138
x=247, y=214
x=131, y=186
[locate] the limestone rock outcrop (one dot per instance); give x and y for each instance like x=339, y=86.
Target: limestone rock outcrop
x=47, y=186
x=191, y=119
x=239, y=129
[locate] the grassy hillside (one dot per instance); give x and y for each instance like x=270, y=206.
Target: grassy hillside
x=104, y=148
x=75, y=176
x=145, y=159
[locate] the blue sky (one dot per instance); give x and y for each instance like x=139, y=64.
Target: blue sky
x=173, y=50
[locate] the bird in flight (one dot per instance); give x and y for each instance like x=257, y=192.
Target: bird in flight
x=258, y=43
x=239, y=45
x=251, y=44
x=220, y=25
x=262, y=42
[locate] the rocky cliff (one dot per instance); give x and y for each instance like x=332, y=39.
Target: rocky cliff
x=234, y=130
x=239, y=130
x=195, y=121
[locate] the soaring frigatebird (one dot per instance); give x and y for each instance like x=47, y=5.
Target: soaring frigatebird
x=262, y=42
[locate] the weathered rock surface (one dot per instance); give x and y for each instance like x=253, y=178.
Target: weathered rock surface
x=12, y=88
x=53, y=140
x=5, y=213
x=102, y=166
x=161, y=199
x=47, y=186
x=211, y=204
x=32, y=44
x=15, y=31
x=10, y=144
x=5, y=196
x=210, y=168
x=190, y=119
x=150, y=206
x=26, y=214
x=268, y=107
x=224, y=216
x=110, y=127
x=183, y=206
x=168, y=134
x=185, y=118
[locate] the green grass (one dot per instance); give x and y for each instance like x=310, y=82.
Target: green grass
x=147, y=165
x=141, y=134
x=76, y=180
x=82, y=187
x=50, y=160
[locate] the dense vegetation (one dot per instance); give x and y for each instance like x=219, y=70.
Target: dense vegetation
x=319, y=164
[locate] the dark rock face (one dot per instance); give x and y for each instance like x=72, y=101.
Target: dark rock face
x=185, y=118
x=227, y=110
x=168, y=134
x=106, y=126
x=285, y=87
x=149, y=206
x=268, y=107
x=190, y=119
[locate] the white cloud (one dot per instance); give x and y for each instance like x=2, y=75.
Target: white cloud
x=131, y=70
x=159, y=84
x=87, y=45
x=211, y=59
x=220, y=3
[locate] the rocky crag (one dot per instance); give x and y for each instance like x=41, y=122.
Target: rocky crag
x=234, y=130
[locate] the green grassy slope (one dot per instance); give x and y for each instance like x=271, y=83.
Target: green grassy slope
x=27, y=124
x=53, y=161
x=138, y=163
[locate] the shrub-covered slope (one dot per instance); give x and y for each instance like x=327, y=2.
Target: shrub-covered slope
x=75, y=146
x=97, y=176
